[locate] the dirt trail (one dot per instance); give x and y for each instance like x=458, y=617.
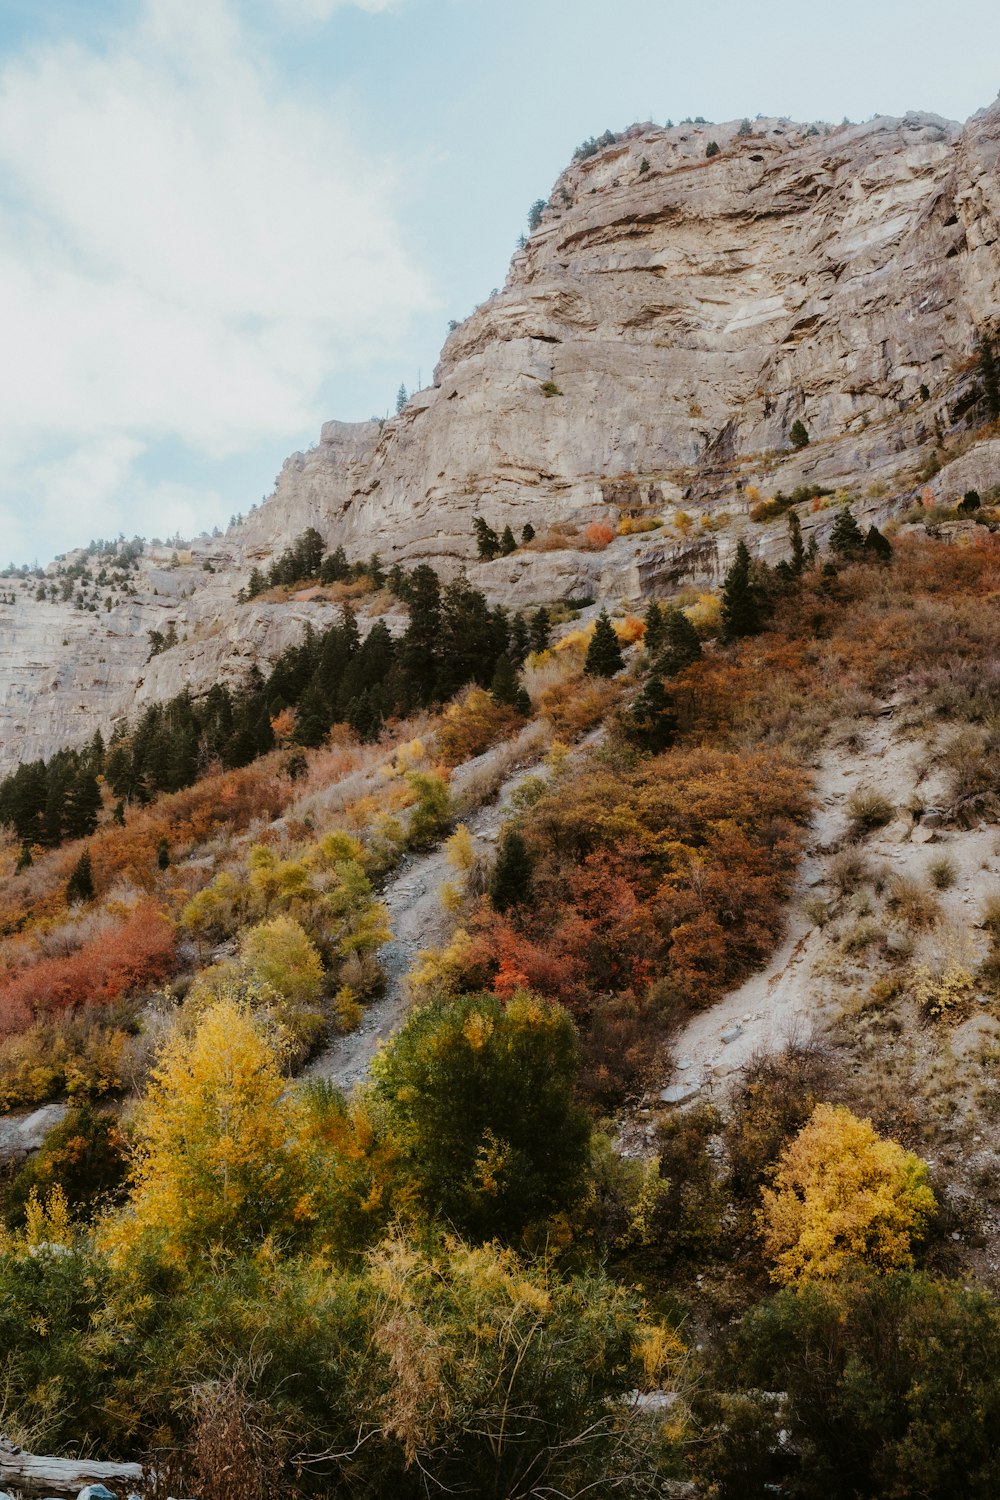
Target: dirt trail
x=417, y=920
x=788, y=999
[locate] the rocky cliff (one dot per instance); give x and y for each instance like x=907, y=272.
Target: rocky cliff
x=665, y=325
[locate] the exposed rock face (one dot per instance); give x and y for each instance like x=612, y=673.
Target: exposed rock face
x=656, y=339
x=687, y=314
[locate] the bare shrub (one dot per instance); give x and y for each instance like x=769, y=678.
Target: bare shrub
x=868, y=810
x=911, y=903
x=942, y=873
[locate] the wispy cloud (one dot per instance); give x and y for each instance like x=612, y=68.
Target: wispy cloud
x=186, y=251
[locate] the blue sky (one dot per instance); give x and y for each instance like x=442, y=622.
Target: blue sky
x=223, y=221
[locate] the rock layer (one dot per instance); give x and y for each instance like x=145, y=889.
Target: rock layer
x=660, y=332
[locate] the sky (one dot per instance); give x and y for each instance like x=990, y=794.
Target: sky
x=224, y=221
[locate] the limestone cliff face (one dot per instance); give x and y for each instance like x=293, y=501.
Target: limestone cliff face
x=657, y=337
x=688, y=310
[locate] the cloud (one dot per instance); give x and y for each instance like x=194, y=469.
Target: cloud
x=187, y=251
x=321, y=10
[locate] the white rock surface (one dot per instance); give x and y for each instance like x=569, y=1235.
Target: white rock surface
x=687, y=315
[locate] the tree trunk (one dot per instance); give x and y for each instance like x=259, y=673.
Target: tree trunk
x=34, y=1475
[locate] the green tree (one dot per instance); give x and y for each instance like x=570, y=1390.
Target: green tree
x=878, y=546
x=487, y=541
x=680, y=644
x=741, y=611
x=846, y=538
x=540, y=629
x=797, y=562
x=651, y=722
x=798, y=436
x=527, y=533
x=652, y=638
x=604, y=654
x=80, y=886
x=510, y=883
x=505, y=687
x=481, y=1099
x=508, y=542
x=401, y=398
x=989, y=376
x=712, y=149
x=535, y=213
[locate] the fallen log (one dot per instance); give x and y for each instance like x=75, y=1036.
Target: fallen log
x=35, y=1475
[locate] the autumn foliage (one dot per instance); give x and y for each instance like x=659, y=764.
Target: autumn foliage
x=135, y=955
x=843, y=1194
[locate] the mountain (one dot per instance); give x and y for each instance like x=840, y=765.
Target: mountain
x=669, y=321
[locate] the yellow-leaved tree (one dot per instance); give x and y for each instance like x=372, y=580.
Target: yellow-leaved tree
x=843, y=1193
x=220, y=1161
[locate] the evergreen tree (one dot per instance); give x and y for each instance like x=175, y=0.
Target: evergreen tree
x=401, y=398
x=505, y=687
x=651, y=722
x=313, y=717
x=798, y=436
x=511, y=881
x=990, y=378
x=846, y=538
x=681, y=644
x=604, y=655
x=80, y=886
x=741, y=612
x=418, y=649
x=798, y=558
x=508, y=543
x=487, y=541
x=257, y=583
x=519, y=640
x=527, y=533
x=540, y=629
x=969, y=502
x=652, y=638
x=83, y=804
x=163, y=854
x=334, y=567
x=877, y=546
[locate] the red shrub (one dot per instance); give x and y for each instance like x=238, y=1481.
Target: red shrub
x=138, y=954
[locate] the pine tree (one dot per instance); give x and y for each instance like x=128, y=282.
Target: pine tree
x=741, y=612
x=681, y=645
x=990, y=378
x=846, y=538
x=487, y=541
x=527, y=533
x=508, y=542
x=401, y=398
x=878, y=546
x=651, y=722
x=313, y=717
x=257, y=583
x=604, y=655
x=652, y=638
x=510, y=883
x=798, y=436
x=163, y=854
x=80, y=886
x=519, y=643
x=798, y=558
x=505, y=687
x=541, y=629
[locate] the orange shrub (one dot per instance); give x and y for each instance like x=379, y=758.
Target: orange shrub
x=139, y=953
x=598, y=535
x=473, y=724
x=629, y=630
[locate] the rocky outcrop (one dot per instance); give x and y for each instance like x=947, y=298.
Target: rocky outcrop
x=658, y=335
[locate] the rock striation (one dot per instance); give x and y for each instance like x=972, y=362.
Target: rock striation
x=660, y=332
